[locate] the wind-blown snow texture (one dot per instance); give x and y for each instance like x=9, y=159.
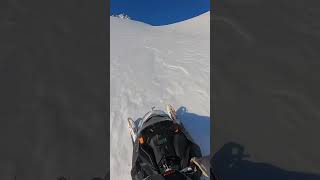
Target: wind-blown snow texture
x=154, y=66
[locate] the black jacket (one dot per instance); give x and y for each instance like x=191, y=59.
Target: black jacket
x=147, y=155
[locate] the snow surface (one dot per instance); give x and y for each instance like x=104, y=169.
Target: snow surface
x=155, y=66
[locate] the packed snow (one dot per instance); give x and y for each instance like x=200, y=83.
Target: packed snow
x=154, y=66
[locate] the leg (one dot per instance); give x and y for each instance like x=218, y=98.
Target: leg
x=134, y=127
x=172, y=113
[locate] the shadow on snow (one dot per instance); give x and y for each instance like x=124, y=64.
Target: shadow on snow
x=230, y=163
x=198, y=126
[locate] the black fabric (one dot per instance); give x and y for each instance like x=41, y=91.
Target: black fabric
x=164, y=142
x=175, y=176
x=153, y=120
x=182, y=149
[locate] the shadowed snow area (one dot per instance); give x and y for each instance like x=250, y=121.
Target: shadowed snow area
x=155, y=66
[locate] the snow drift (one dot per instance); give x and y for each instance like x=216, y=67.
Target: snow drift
x=154, y=66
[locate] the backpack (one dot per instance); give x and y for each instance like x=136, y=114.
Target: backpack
x=162, y=145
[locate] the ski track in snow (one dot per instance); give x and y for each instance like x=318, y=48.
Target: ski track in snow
x=155, y=66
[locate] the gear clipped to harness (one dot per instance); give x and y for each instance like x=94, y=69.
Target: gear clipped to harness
x=162, y=145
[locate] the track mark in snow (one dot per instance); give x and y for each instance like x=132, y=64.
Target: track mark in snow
x=172, y=67
x=152, y=48
x=178, y=68
x=159, y=59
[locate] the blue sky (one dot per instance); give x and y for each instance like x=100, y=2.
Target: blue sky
x=159, y=12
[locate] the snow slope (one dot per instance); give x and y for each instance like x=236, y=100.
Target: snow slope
x=155, y=66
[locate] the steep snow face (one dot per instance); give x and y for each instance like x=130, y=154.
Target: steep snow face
x=155, y=66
